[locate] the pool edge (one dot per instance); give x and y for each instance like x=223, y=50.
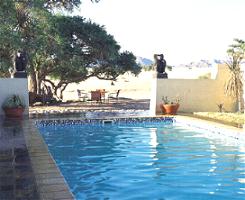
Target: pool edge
x=50, y=182
x=214, y=127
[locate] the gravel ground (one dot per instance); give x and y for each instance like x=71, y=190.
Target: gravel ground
x=121, y=107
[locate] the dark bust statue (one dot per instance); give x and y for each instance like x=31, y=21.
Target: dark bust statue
x=20, y=62
x=20, y=65
x=160, y=63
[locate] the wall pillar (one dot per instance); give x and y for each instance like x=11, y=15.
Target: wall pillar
x=153, y=99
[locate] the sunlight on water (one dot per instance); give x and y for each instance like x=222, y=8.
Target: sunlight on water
x=146, y=161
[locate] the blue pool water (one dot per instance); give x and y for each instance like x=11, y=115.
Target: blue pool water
x=146, y=161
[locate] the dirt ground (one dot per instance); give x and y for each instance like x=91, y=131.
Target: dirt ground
x=120, y=104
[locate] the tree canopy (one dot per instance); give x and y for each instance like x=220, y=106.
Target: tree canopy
x=67, y=4
x=62, y=48
x=83, y=49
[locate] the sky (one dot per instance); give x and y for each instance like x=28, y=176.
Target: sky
x=183, y=30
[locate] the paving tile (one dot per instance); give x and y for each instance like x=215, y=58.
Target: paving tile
x=53, y=188
x=16, y=176
x=48, y=177
x=7, y=195
x=56, y=195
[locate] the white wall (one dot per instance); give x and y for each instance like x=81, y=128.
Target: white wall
x=10, y=86
x=197, y=95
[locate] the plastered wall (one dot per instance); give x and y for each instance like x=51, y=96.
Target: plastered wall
x=197, y=95
x=10, y=86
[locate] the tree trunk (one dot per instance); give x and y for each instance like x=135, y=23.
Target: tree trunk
x=33, y=82
x=62, y=90
x=239, y=93
x=39, y=87
x=32, y=87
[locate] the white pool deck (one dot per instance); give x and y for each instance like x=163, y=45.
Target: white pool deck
x=223, y=131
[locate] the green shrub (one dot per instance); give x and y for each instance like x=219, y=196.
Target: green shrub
x=13, y=102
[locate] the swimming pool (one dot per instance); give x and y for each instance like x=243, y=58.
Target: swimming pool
x=149, y=160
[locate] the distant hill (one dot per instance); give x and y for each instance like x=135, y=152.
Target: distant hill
x=144, y=61
x=201, y=63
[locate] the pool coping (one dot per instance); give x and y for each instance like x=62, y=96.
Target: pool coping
x=51, y=184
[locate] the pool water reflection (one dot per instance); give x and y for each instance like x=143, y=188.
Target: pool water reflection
x=146, y=161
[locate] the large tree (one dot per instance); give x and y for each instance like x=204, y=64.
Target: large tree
x=234, y=85
x=68, y=49
x=79, y=49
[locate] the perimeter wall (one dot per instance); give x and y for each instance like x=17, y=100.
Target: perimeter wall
x=11, y=86
x=196, y=95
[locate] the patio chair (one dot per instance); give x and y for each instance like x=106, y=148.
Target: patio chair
x=82, y=95
x=113, y=95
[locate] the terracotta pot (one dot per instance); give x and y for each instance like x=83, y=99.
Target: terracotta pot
x=14, y=112
x=170, y=109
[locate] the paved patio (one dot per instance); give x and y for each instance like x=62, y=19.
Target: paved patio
x=16, y=175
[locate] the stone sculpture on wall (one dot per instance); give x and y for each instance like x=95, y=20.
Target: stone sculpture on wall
x=160, y=65
x=20, y=65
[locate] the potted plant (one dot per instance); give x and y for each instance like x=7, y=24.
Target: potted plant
x=169, y=107
x=13, y=107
